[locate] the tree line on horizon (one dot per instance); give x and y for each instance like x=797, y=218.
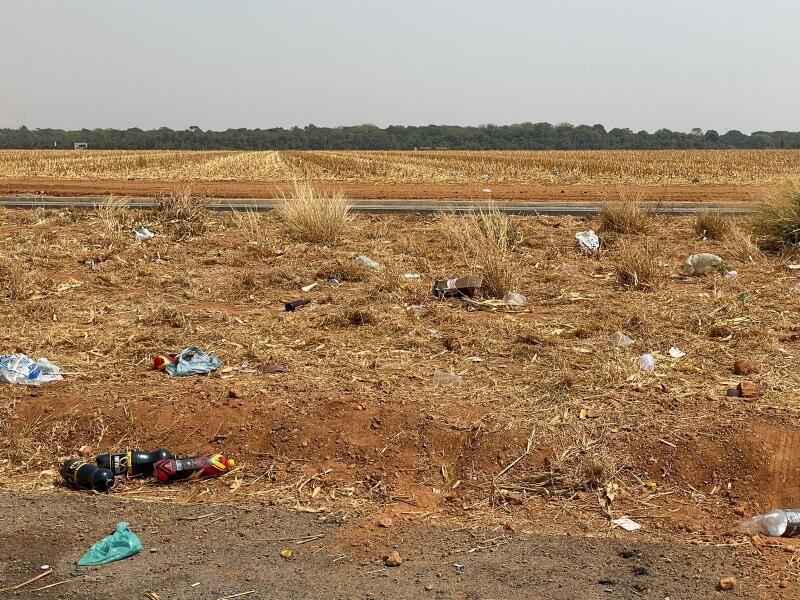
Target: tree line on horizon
x=523, y=136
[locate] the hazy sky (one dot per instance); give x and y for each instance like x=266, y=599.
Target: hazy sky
x=643, y=64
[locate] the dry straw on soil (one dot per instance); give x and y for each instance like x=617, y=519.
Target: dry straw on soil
x=777, y=221
x=314, y=217
x=607, y=167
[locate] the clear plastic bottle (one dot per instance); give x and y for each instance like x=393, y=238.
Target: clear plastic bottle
x=779, y=522
x=647, y=363
x=446, y=378
x=620, y=340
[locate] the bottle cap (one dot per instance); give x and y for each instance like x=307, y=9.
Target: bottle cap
x=231, y=463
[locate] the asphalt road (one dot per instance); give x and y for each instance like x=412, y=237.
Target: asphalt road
x=391, y=206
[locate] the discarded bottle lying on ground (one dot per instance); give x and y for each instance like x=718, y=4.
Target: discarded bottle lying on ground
x=290, y=306
x=780, y=522
x=132, y=462
x=461, y=286
x=82, y=474
x=446, y=378
x=647, y=363
x=620, y=340
x=700, y=264
x=175, y=469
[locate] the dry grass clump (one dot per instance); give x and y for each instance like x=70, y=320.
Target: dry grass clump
x=315, y=217
x=115, y=218
x=740, y=246
x=15, y=280
x=343, y=270
x=186, y=214
x=713, y=225
x=637, y=266
x=777, y=221
x=486, y=242
x=624, y=216
x=255, y=229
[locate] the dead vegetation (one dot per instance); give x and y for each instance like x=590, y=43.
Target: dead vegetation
x=183, y=213
x=624, y=216
x=15, y=280
x=486, y=242
x=713, y=225
x=314, y=217
x=338, y=413
x=637, y=265
x=777, y=222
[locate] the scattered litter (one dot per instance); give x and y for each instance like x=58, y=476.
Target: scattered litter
x=81, y=474
x=142, y=234
x=778, y=522
x=132, y=462
x=286, y=553
x=796, y=287
x=515, y=299
x=411, y=275
x=676, y=353
x=297, y=281
x=460, y=286
x=794, y=267
x=416, y=309
x=700, y=264
x=309, y=287
x=45, y=567
x=365, y=261
x=291, y=306
x=446, y=378
x=19, y=369
x=121, y=544
x=569, y=268
x=626, y=523
x=175, y=469
x=334, y=282
x=620, y=340
x=588, y=241
x=731, y=274
x=434, y=333
x=751, y=389
x=487, y=191
x=191, y=361
x=271, y=368
x=647, y=363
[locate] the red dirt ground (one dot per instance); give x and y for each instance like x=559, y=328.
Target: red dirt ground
x=256, y=189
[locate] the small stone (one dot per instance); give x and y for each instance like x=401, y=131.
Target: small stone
x=393, y=559
x=429, y=588
x=783, y=584
x=750, y=389
x=727, y=583
x=745, y=366
x=153, y=550
x=512, y=497
x=236, y=393
x=385, y=522
x=732, y=393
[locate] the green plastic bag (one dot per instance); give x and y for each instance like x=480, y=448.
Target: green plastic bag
x=121, y=544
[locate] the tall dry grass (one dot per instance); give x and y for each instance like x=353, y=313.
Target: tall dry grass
x=314, y=217
x=486, y=241
x=625, y=215
x=777, y=221
x=713, y=225
x=182, y=212
x=637, y=266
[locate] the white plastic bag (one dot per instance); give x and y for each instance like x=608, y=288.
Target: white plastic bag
x=588, y=241
x=21, y=370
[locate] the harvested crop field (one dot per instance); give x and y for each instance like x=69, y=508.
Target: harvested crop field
x=554, y=429
x=691, y=175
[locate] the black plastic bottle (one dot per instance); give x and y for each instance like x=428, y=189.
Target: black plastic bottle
x=85, y=475
x=132, y=462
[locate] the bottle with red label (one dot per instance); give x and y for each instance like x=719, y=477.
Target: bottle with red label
x=132, y=462
x=175, y=469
